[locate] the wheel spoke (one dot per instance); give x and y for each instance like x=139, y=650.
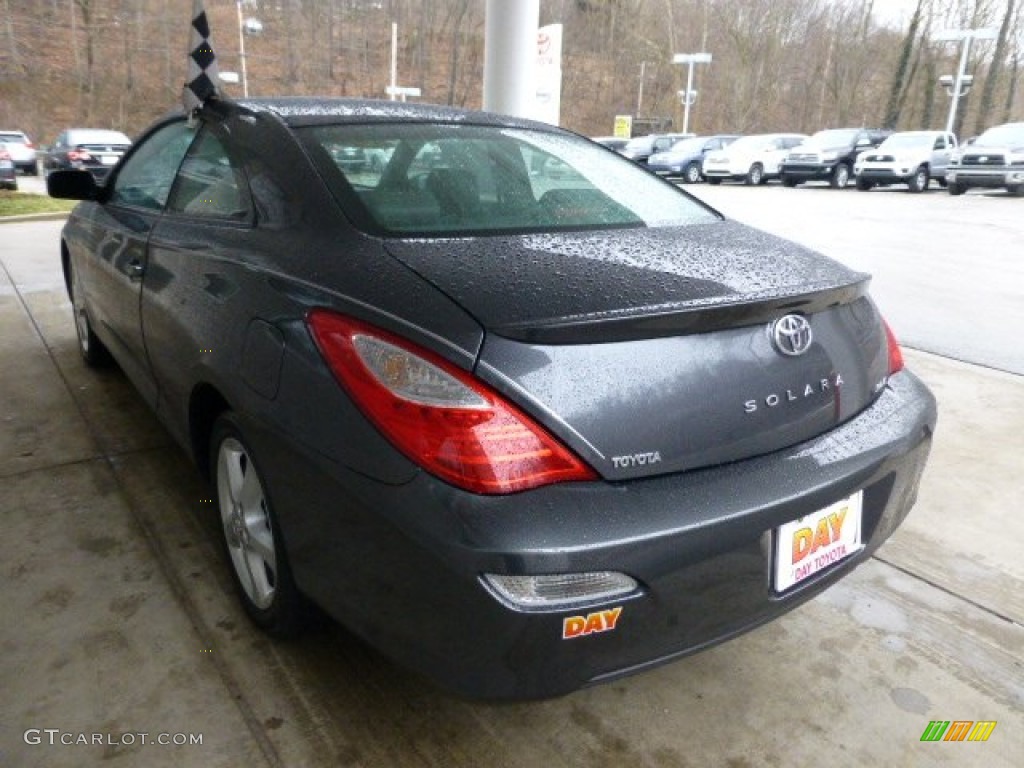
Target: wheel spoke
x=250, y=493
x=262, y=544
x=232, y=462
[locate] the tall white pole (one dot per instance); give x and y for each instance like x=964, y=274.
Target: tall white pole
x=394, y=59
x=640, y=93
x=688, y=98
x=510, y=56
x=241, y=50
x=958, y=85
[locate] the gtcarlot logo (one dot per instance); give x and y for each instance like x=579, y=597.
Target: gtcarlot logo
x=57, y=737
x=958, y=730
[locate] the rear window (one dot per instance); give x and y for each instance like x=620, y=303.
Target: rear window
x=13, y=138
x=410, y=179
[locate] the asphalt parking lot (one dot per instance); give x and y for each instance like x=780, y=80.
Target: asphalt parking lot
x=120, y=621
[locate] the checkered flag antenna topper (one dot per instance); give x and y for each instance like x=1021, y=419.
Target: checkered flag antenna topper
x=203, y=74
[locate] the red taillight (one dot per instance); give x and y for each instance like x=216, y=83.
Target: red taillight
x=441, y=417
x=895, y=355
x=79, y=154
x=30, y=145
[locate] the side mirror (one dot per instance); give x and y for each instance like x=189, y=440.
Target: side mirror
x=72, y=185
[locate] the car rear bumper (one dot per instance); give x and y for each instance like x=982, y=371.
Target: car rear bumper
x=401, y=565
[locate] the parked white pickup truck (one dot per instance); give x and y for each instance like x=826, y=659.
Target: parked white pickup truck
x=911, y=157
x=995, y=159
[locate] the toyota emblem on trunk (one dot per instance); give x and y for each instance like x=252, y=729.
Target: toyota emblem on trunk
x=792, y=335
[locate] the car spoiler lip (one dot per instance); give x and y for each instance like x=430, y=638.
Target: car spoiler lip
x=689, y=318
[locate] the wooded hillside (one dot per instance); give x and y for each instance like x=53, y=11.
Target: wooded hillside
x=778, y=64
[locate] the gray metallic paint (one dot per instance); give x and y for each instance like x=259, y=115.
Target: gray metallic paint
x=397, y=554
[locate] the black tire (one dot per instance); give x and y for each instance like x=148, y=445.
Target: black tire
x=789, y=181
x=956, y=189
x=94, y=352
x=840, y=176
x=919, y=181
x=864, y=185
x=1016, y=190
x=691, y=173
x=755, y=176
x=250, y=534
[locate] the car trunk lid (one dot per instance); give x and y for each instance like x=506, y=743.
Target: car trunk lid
x=651, y=350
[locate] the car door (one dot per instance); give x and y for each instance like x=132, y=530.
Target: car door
x=198, y=268
x=941, y=151
x=119, y=232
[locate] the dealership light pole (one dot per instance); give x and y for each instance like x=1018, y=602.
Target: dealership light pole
x=961, y=85
x=691, y=95
x=252, y=27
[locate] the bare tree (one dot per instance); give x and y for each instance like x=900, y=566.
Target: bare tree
x=995, y=69
x=897, y=91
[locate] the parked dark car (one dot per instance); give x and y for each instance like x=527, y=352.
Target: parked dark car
x=993, y=160
x=8, y=173
x=685, y=158
x=640, y=148
x=829, y=156
x=522, y=433
x=612, y=142
x=95, y=150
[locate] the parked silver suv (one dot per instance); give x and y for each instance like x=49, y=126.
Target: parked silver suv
x=913, y=158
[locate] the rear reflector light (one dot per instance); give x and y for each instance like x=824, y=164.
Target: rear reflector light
x=440, y=416
x=559, y=590
x=895, y=354
x=78, y=154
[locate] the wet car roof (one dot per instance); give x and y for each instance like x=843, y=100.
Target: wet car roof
x=300, y=111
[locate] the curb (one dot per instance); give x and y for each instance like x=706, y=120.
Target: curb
x=48, y=216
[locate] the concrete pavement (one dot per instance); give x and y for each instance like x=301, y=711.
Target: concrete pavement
x=118, y=617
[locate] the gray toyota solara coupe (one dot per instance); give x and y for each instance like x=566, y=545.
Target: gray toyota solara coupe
x=523, y=433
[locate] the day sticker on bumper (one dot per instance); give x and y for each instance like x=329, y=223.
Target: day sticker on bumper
x=811, y=544
x=599, y=621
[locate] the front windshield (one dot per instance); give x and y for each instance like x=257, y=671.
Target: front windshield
x=447, y=179
x=908, y=141
x=1009, y=135
x=832, y=138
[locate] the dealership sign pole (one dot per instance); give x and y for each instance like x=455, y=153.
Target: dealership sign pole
x=690, y=96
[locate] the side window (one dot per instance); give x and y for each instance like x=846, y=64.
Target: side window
x=208, y=184
x=145, y=179
x=940, y=143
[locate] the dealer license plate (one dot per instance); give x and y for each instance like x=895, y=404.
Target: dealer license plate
x=817, y=541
